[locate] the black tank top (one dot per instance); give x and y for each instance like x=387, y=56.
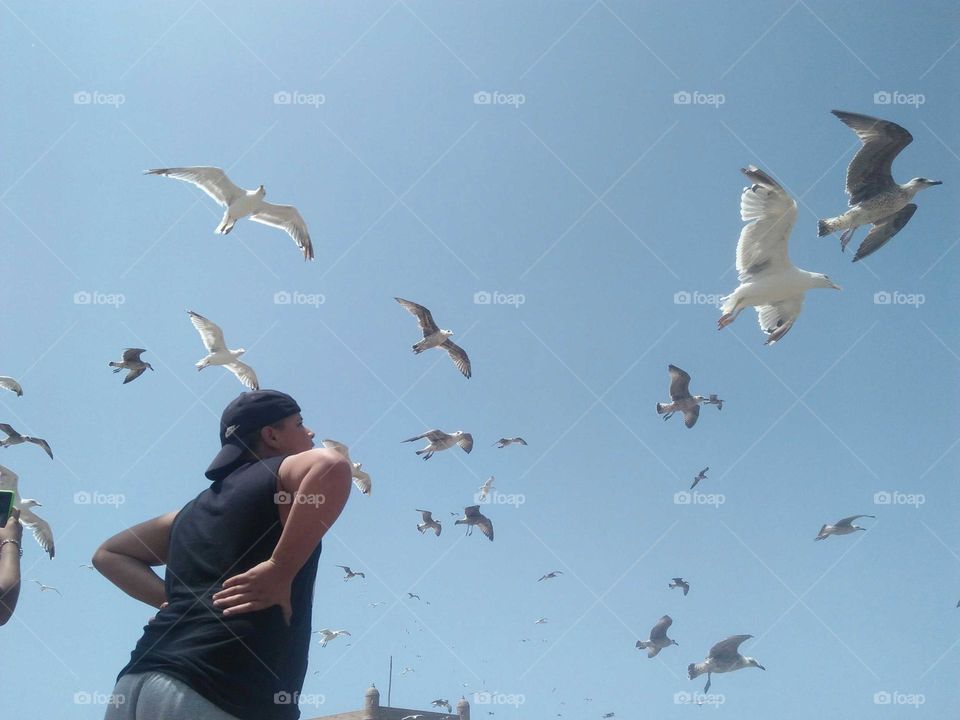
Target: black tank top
x=250, y=665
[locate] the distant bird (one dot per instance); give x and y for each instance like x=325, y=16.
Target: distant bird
x=212, y=337
x=360, y=478
x=723, y=657
x=404, y=672
x=442, y=703
x=411, y=595
x=680, y=583
x=48, y=587
x=551, y=574
x=328, y=635
x=88, y=567
x=131, y=361
x=42, y=531
x=350, y=573
x=377, y=604
x=484, y=489
x=433, y=337
x=240, y=203
x=428, y=524
x=473, y=517
x=504, y=442
x=841, y=527
x=702, y=475
x=8, y=383
x=658, y=638
x=683, y=401
x=541, y=621
x=768, y=280
x=608, y=715
x=15, y=438
x=440, y=440
x=874, y=196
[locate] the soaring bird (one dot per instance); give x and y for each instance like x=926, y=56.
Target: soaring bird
x=8, y=383
x=702, y=475
x=442, y=703
x=350, y=573
x=360, y=478
x=723, y=657
x=240, y=203
x=874, y=196
x=550, y=575
x=433, y=336
x=680, y=583
x=42, y=531
x=484, y=489
x=683, y=401
x=768, y=280
x=658, y=638
x=219, y=354
x=328, y=635
x=132, y=363
x=504, y=442
x=48, y=587
x=428, y=524
x=473, y=517
x=15, y=438
x=841, y=527
x=439, y=440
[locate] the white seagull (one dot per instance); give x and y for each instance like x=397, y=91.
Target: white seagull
x=428, y=524
x=360, y=478
x=8, y=383
x=328, y=635
x=48, y=587
x=212, y=337
x=683, y=401
x=658, y=638
x=541, y=621
x=768, y=280
x=439, y=440
x=484, y=489
x=841, y=527
x=473, y=517
x=240, y=203
x=350, y=573
x=40, y=527
x=724, y=657
x=131, y=362
x=504, y=442
x=875, y=197
x=15, y=438
x=433, y=337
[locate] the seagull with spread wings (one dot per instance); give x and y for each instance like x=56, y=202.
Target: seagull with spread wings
x=360, y=478
x=680, y=583
x=350, y=573
x=240, y=203
x=327, y=635
x=8, y=383
x=439, y=440
x=212, y=337
x=658, y=638
x=428, y=524
x=472, y=517
x=504, y=442
x=841, y=527
x=682, y=400
x=15, y=438
x=132, y=363
x=723, y=657
x=434, y=337
x=42, y=531
x=702, y=475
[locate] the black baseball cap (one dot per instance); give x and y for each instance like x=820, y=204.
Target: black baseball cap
x=249, y=412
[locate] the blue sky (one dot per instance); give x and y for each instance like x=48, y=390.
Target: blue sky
x=584, y=189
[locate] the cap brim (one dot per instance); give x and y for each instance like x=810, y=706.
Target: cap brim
x=227, y=460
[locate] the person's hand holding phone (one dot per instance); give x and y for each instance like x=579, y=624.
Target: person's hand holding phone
x=13, y=530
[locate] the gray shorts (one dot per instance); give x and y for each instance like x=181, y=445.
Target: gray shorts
x=155, y=696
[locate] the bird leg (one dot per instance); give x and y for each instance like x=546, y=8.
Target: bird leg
x=706, y=688
x=846, y=237
x=668, y=415
x=728, y=318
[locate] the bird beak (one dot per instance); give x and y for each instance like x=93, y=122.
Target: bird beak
x=761, y=666
x=936, y=182
x=835, y=286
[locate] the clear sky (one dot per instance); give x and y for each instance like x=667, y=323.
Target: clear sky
x=579, y=183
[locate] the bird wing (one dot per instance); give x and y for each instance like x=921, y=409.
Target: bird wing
x=362, y=480
x=431, y=435
x=338, y=446
x=212, y=180
x=458, y=355
x=8, y=479
x=690, y=416
x=485, y=525
x=847, y=520
x=134, y=373
x=520, y=440
x=41, y=530
x=244, y=373
x=288, y=219
x=10, y=384
x=728, y=649
x=776, y=320
x=487, y=484
x=883, y=230
x=8, y=429
x=424, y=318
x=679, y=383
x=346, y=568
x=426, y=515
x=660, y=629
x=771, y=213
x=42, y=443
x=471, y=512
x=210, y=332
x=870, y=171
x=132, y=354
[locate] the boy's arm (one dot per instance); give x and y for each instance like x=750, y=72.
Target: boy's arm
x=126, y=559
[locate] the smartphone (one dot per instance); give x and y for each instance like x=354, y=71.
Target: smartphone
x=6, y=506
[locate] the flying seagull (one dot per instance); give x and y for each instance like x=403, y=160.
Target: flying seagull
x=484, y=489
x=42, y=531
x=360, y=478
x=550, y=575
x=8, y=383
x=212, y=337
x=683, y=401
x=15, y=438
x=48, y=587
x=440, y=440
x=435, y=337
x=329, y=635
x=702, y=475
x=841, y=527
x=411, y=595
x=680, y=583
x=768, y=280
x=504, y=442
x=874, y=196
x=541, y=621
x=132, y=363
x=350, y=573
x=427, y=524
x=658, y=638
x=724, y=657
x=442, y=703
x=240, y=203
x=472, y=517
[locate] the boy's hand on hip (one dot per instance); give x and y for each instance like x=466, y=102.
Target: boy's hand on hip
x=260, y=587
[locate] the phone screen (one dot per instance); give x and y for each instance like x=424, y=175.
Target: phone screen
x=6, y=504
